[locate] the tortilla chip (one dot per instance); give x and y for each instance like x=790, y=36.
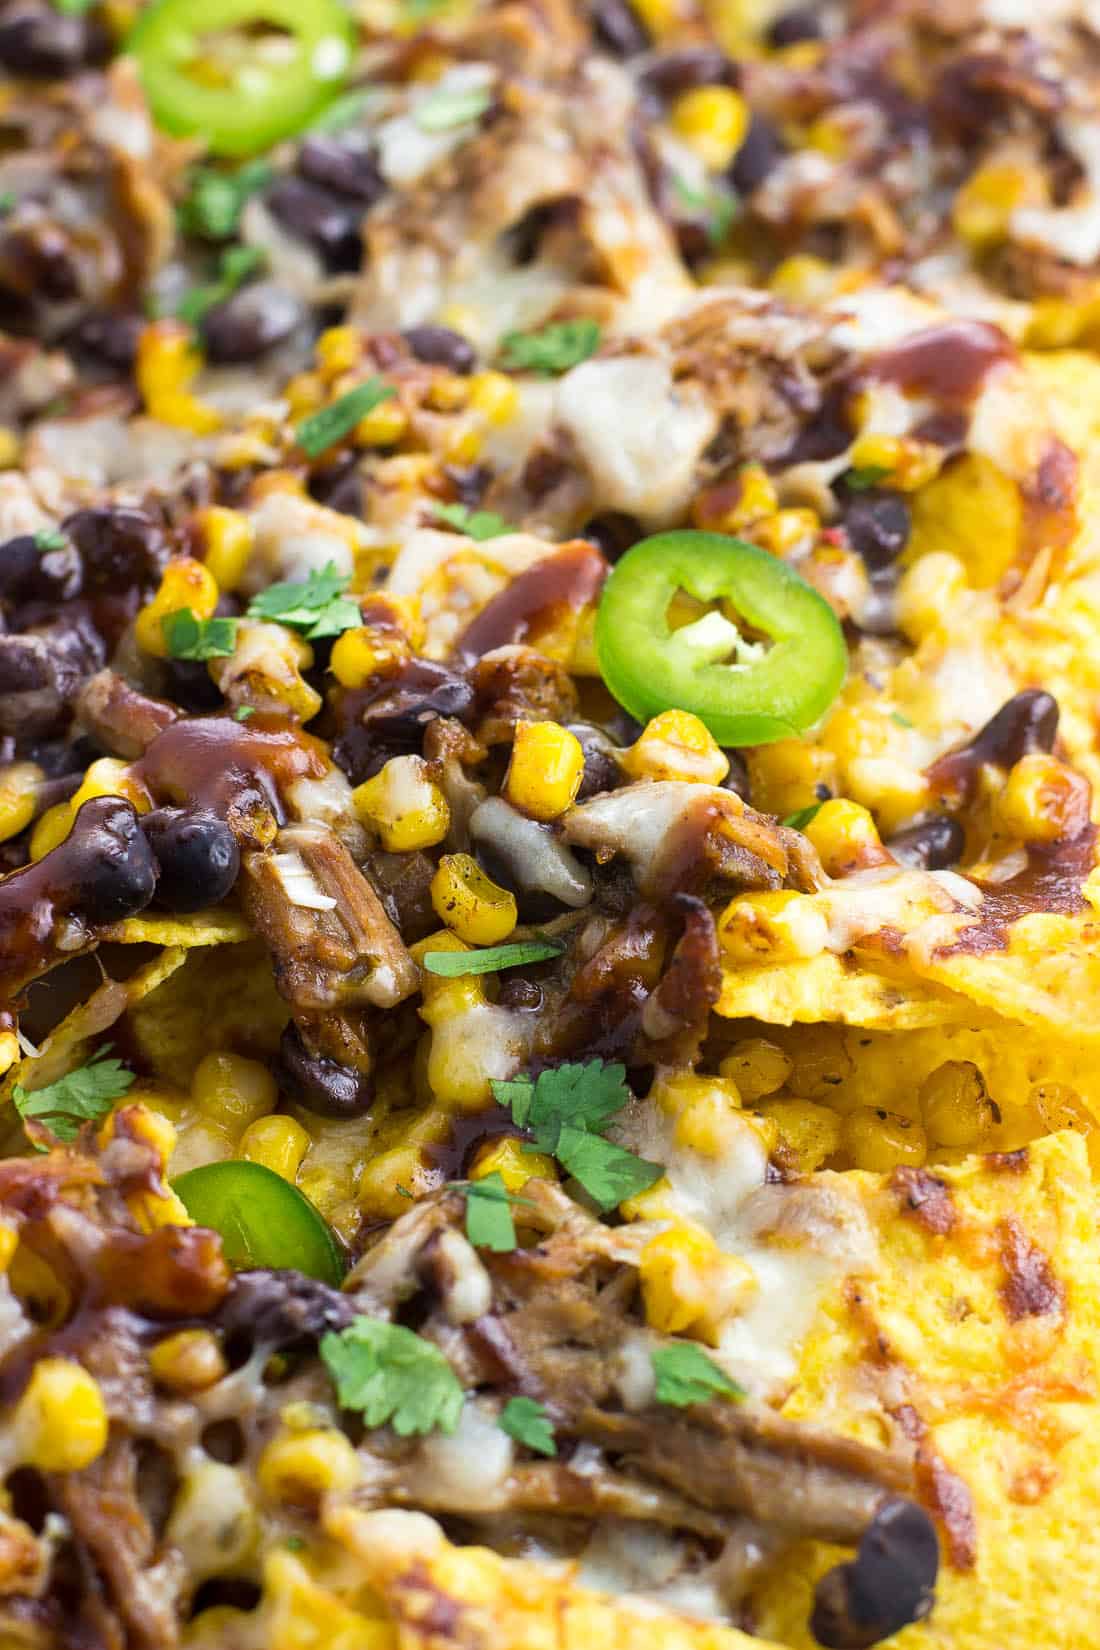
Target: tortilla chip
x=833, y=988
x=215, y=927
x=1047, y=975
x=220, y=999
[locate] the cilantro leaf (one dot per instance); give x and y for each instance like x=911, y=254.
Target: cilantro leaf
x=237, y=263
x=322, y=429
x=81, y=1096
x=715, y=208
x=73, y=8
x=391, y=1375
x=553, y=349
x=490, y=960
x=317, y=606
x=343, y=111
x=860, y=480
x=215, y=199
x=48, y=538
x=476, y=524
x=802, y=817
x=450, y=106
x=902, y=721
x=243, y=712
x=188, y=637
x=686, y=1375
x=608, y=1173
x=7, y=200
x=526, y=1420
x=489, y=1223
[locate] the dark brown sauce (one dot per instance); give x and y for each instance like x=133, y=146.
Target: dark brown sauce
x=215, y=763
x=452, y=1157
x=532, y=603
x=947, y=364
x=1051, y=881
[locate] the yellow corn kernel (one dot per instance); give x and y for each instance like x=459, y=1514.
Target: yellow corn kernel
x=461, y=318
x=711, y=1123
x=661, y=17
x=785, y=776
x=19, y=782
x=185, y=583
x=338, y=350
x=228, y=538
x=108, y=776
x=731, y=506
x=233, y=1090
x=882, y=1140
x=971, y=510
x=712, y=120
x=955, y=1104
x=474, y=907
x=361, y=652
x=876, y=452
x=51, y=830
x=60, y=1422
x=675, y=1094
x=515, y=1166
x=304, y=393
x=188, y=1361
x=447, y=392
x=689, y=1286
x=772, y=927
x=404, y=805
x=300, y=1614
x=929, y=593
x=494, y=396
x=786, y=531
x=982, y=209
x=10, y=448
x=390, y=1179
x=463, y=442
x=829, y=135
x=757, y=1067
x=265, y=670
x=845, y=836
x=804, y=279
x=167, y=361
x=676, y=745
x=1043, y=800
x=383, y=426
x=300, y=1467
x=279, y=1143
x=546, y=769
x=808, y=1133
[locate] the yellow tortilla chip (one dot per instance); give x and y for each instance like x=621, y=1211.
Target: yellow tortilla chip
x=1047, y=975
x=828, y=987
x=216, y=927
x=223, y=998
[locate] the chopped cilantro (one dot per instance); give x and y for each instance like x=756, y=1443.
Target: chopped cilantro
x=215, y=199
x=799, y=820
x=451, y=106
x=82, y=1096
x=553, y=349
x=343, y=111
x=48, y=538
x=389, y=1374
x=526, y=1420
x=686, y=1375
x=7, y=200
x=294, y=1544
x=715, y=208
x=566, y=1109
x=73, y=8
x=452, y=964
x=860, y=480
x=323, y=429
x=902, y=721
x=243, y=712
x=476, y=524
x=489, y=1223
x=236, y=265
x=317, y=606
x=188, y=637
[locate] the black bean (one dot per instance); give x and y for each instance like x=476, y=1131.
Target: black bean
x=280, y=1309
x=888, y=1585
x=618, y=27
x=187, y=682
x=613, y=532
x=931, y=845
x=738, y=779
x=120, y=547
x=31, y=574
x=109, y=336
x=1026, y=723
x=675, y=72
x=761, y=151
x=340, y=486
x=39, y=263
x=392, y=719
x=878, y=526
x=321, y=1085
x=601, y=767
x=441, y=347
x=327, y=221
x=41, y=671
x=197, y=857
x=41, y=43
x=250, y=321
x=346, y=167
x=112, y=866
x=801, y=23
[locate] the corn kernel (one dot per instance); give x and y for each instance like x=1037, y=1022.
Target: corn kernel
x=279, y=1143
x=804, y=279
x=19, y=782
x=546, y=769
x=1043, y=800
x=757, y=1067
x=339, y=349
x=983, y=208
x=929, y=593
x=300, y=1467
x=515, y=1165
x=494, y=396
x=829, y=136
x=60, y=1422
x=165, y=366
x=447, y=392
x=10, y=448
x=711, y=1123
x=689, y=1286
x=882, y=1140
x=304, y=393
x=955, y=1104
x=383, y=426
x=676, y=745
x=265, y=670
x=846, y=837
x=185, y=583
x=9, y=1243
x=232, y=1090
x=188, y=1361
x=786, y=531
x=299, y=1614
x=786, y=776
x=461, y=318
x=712, y=121
x=404, y=805
x=971, y=510
x=108, y=776
x=736, y=504
x=362, y=652
x=228, y=538
x=51, y=830
x=389, y=1180
x=808, y=1133
x=661, y=17
x=772, y=927
x=875, y=452
x=474, y=907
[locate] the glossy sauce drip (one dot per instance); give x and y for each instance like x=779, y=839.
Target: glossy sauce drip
x=1026, y=723
x=1051, y=882
x=228, y=768
x=452, y=1158
x=536, y=601
x=948, y=364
